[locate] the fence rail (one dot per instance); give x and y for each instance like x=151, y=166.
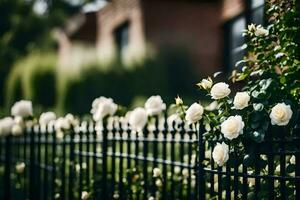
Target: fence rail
x=158, y=163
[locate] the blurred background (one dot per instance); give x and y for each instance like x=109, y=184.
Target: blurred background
x=61, y=54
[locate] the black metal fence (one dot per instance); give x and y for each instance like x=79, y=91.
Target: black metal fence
x=161, y=162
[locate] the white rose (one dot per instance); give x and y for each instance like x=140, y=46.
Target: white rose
x=19, y=120
x=241, y=100
x=261, y=31
x=212, y=106
x=71, y=119
x=103, y=107
x=220, y=90
x=62, y=124
x=22, y=108
x=154, y=105
x=156, y=172
x=177, y=170
x=220, y=153
x=138, y=119
x=46, y=118
x=232, y=127
x=20, y=167
x=85, y=195
x=173, y=119
x=158, y=183
x=185, y=172
x=281, y=114
x=6, y=125
x=205, y=83
x=194, y=113
x=16, y=130
x=293, y=160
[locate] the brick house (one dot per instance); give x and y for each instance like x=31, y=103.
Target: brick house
x=209, y=31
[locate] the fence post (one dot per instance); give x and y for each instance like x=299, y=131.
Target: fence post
x=7, y=181
x=201, y=153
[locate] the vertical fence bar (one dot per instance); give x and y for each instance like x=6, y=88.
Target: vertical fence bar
x=71, y=165
x=228, y=191
x=7, y=167
x=136, y=160
x=87, y=177
x=282, y=162
x=25, y=161
x=120, y=185
x=46, y=162
x=113, y=160
x=80, y=145
x=94, y=133
x=245, y=182
x=212, y=175
x=53, y=151
x=271, y=169
x=155, y=153
x=236, y=177
x=38, y=162
x=201, y=154
x=220, y=186
x=181, y=154
x=31, y=181
x=173, y=132
x=129, y=193
x=145, y=167
x=63, y=168
x=164, y=152
x=104, y=160
x=189, y=178
x=256, y=172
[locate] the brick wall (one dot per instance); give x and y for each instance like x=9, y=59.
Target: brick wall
x=110, y=17
x=232, y=8
x=196, y=27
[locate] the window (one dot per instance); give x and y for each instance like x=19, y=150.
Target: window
x=257, y=11
x=234, y=40
x=122, y=39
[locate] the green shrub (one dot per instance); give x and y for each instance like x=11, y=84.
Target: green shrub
x=33, y=77
x=166, y=75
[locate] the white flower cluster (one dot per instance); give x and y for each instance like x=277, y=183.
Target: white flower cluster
x=15, y=125
x=47, y=118
x=194, y=113
x=137, y=118
x=258, y=30
x=233, y=126
x=22, y=108
x=102, y=107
